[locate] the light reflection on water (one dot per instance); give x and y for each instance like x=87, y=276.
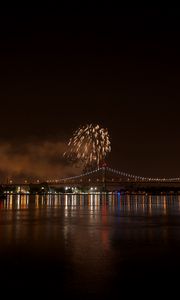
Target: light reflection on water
x=132, y=204
x=88, y=243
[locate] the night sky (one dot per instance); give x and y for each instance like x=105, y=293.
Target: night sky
x=122, y=71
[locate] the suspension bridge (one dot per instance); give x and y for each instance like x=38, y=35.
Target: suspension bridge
x=111, y=179
x=100, y=179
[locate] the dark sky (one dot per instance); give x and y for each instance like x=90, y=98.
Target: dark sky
x=122, y=71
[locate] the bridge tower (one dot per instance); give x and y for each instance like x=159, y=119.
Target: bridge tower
x=104, y=177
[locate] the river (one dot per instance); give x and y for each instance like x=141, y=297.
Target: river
x=90, y=246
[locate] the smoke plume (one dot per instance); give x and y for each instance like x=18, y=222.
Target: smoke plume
x=34, y=160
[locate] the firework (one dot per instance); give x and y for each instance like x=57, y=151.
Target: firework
x=89, y=145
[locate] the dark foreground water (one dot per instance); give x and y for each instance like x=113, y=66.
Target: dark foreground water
x=90, y=246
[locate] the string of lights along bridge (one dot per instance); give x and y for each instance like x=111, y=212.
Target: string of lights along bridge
x=124, y=175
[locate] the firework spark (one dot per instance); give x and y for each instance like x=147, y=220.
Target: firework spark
x=89, y=145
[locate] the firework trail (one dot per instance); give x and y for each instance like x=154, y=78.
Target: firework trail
x=89, y=145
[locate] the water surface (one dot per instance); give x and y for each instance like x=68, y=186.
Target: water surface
x=90, y=245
